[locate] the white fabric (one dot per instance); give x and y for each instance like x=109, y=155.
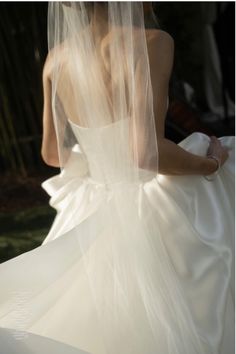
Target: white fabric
x=133, y=263
x=100, y=75
x=17, y=342
x=194, y=219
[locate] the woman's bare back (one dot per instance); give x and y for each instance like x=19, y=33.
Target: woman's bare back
x=65, y=91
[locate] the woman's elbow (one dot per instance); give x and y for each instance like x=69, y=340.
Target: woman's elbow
x=50, y=158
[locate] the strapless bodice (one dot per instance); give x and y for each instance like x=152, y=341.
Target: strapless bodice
x=107, y=152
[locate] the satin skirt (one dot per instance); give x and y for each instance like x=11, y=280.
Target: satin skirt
x=47, y=294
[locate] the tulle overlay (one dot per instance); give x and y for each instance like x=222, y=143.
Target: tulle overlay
x=155, y=278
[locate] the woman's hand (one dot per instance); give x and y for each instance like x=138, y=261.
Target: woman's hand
x=217, y=150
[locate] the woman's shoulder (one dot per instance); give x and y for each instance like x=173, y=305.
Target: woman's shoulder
x=159, y=38
x=55, y=55
x=160, y=46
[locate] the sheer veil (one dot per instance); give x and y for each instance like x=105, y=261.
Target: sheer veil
x=101, y=78
x=99, y=52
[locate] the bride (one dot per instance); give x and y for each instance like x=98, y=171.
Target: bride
x=139, y=259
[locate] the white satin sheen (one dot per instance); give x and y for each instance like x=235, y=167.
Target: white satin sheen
x=196, y=221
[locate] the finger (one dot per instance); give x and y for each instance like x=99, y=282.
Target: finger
x=215, y=140
x=226, y=151
x=227, y=148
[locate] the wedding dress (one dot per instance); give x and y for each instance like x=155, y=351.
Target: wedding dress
x=195, y=219
x=134, y=263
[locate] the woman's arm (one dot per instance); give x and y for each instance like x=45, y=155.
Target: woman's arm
x=173, y=160
x=49, y=150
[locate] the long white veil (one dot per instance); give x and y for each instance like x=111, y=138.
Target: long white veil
x=100, y=61
x=100, y=76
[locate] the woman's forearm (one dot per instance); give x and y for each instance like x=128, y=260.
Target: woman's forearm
x=173, y=160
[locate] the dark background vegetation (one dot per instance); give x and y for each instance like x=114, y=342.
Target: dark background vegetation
x=25, y=216
x=23, y=41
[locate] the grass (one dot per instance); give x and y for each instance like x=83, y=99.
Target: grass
x=21, y=231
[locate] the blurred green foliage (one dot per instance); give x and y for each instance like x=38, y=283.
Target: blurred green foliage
x=22, y=231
